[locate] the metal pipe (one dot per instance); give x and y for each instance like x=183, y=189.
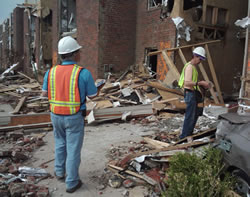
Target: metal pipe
x=242, y=89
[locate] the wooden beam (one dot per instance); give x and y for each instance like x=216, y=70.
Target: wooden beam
x=19, y=105
x=156, y=143
x=215, y=80
x=28, y=126
x=157, y=85
x=183, y=59
x=151, y=181
x=174, y=75
x=182, y=47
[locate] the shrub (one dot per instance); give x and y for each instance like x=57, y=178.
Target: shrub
x=190, y=175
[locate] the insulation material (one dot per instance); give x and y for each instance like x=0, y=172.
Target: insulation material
x=244, y=23
x=183, y=30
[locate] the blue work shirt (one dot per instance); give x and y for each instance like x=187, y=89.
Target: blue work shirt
x=86, y=84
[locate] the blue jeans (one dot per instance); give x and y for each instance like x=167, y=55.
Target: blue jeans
x=191, y=114
x=68, y=135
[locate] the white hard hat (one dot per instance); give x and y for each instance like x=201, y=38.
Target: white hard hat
x=200, y=51
x=68, y=45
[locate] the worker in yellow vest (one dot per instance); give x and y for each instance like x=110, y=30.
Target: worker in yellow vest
x=67, y=86
x=189, y=81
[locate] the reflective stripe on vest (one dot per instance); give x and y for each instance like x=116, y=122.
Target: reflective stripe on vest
x=194, y=75
x=63, y=92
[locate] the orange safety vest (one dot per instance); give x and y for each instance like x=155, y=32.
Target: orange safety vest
x=63, y=92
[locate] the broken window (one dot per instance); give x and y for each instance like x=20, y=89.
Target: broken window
x=188, y=4
x=214, y=23
x=68, y=15
x=151, y=61
x=155, y=3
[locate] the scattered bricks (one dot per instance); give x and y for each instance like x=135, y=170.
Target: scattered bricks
x=40, y=142
x=19, y=156
x=43, y=192
x=20, y=143
x=13, y=169
x=32, y=188
x=4, y=193
x=5, y=153
x=128, y=183
x=17, y=189
x=123, y=163
x=31, y=179
x=3, y=169
x=28, y=148
x=5, y=162
x=15, y=135
x=155, y=175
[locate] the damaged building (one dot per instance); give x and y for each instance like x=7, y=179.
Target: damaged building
x=118, y=34
x=136, y=50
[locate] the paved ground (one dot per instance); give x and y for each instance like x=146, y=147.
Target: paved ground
x=98, y=140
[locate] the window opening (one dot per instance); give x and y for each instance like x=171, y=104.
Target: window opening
x=188, y=4
x=166, y=8
x=214, y=23
x=154, y=3
x=151, y=61
x=68, y=15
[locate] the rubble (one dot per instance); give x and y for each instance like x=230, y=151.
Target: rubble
x=16, y=179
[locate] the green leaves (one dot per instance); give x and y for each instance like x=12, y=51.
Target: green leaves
x=192, y=175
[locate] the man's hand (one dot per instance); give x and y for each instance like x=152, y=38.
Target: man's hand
x=205, y=84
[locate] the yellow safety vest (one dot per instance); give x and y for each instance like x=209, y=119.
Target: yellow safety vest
x=194, y=75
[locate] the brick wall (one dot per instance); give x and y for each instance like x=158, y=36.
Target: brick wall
x=117, y=34
x=37, y=42
x=18, y=34
x=5, y=45
x=26, y=40
x=55, y=31
x=1, y=46
x=87, y=33
x=152, y=32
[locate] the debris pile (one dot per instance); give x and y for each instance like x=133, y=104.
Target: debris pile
x=146, y=163
x=17, y=179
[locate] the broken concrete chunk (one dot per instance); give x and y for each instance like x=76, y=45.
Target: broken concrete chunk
x=115, y=181
x=128, y=183
x=17, y=189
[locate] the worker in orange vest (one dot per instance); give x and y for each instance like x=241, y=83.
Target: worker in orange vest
x=67, y=86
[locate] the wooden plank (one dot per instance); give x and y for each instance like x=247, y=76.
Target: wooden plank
x=182, y=47
x=171, y=64
x=7, y=89
x=29, y=119
x=215, y=80
x=123, y=100
x=183, y=59
x=177, y=147
x=167, y=100
x=13, y=94
x=28, y=126
x=202, y=134
x=156, y=143
x=31, y=80
x=159, y=86
x=147, y=179
x=19, y=105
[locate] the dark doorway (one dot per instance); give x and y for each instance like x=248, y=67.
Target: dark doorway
x=151, y=61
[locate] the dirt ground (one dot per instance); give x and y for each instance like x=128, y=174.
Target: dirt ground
x=98, y=141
